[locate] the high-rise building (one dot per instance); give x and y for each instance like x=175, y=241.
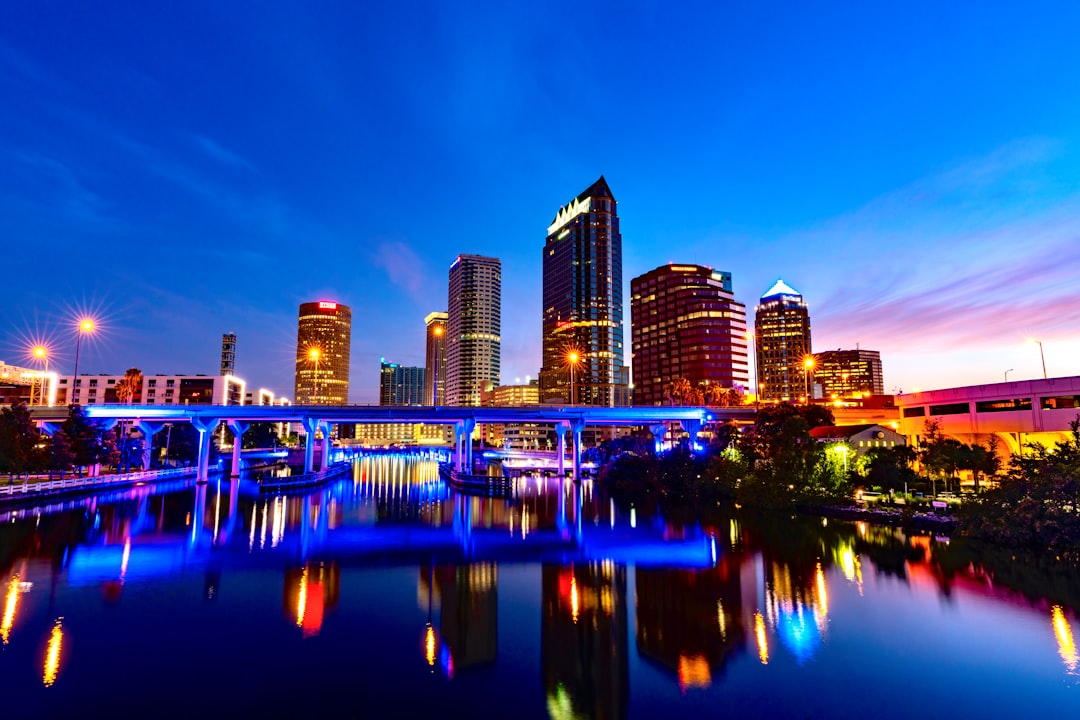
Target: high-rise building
x=583, y=303
x=473, y=328
x=435, y=361
x=685, y=323
x=228, y=354
x=400, y=385
x=323, y=340
x=848, y=373
x=782, y=340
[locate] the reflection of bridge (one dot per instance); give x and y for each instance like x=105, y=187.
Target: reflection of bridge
x=151, y=419
x=1026, y=410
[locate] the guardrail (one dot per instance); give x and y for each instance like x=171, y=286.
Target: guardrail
x=46, y=487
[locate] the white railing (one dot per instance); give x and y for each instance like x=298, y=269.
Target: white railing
x=46, y=486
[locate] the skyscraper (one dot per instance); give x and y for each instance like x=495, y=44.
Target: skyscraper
x=583, y=303
x=685, y=323
x=435, y=363
x=228, y=354
x=473, y=328
x=847, y=373
x=400, y=385
x=782, y=337
x=323, y=339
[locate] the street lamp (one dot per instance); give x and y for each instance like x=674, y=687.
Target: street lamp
x=573, y=358
x=1007, y=374
x=41, y=353
x=808, y=365
x=86, y=326
x=1041, y=355
x=313, y=355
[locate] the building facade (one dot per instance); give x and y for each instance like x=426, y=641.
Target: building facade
x=848, y=373
x=473, y=328
x=323, y=344
x=583, y=303
x=400, y=385
x=685, y=323
x=228, y=354
x=782, y=341
x=435, y=359
x=155, y=390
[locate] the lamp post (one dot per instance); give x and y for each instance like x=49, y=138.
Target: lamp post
x=573, y=358
x=86, y=325
x=1007, y=374
x=808, y=365
x=41, y=353
x=313, y=355
x=1041, y=355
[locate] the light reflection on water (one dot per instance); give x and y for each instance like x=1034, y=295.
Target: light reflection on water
x=555, y=601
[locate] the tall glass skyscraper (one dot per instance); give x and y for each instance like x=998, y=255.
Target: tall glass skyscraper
x=782, y=337
x=473, y=328
x=583, y=303
x=323, y=342
x=400, y=385
x=435, y=361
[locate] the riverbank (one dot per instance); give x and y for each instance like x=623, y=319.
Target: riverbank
x=881, y=516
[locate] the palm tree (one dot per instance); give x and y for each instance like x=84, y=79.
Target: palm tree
x=679, y=391
x=129, y=386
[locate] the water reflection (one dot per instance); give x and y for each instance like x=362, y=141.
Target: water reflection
x=620, y=598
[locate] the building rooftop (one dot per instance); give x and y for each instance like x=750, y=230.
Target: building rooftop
x=781, y=288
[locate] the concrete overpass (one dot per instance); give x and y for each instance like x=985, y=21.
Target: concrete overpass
x=150, y=419
x=1019, y=413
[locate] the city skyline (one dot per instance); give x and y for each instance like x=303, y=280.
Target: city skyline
x=916, y=182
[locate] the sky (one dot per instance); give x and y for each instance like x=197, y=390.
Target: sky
x=181, y=170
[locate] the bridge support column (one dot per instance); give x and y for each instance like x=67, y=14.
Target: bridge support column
x=459, y=431
x=238, y=429
x=148, y=430
x=658, y=431
x=560, y=431
x=576, y=428
x=470, y=425
x=206, y=427
x=310, y=426
x=693, y=427
x=324, y=461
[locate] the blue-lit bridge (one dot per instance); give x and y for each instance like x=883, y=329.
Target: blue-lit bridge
x=151, y=419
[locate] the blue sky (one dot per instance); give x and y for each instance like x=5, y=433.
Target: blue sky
x=187, y=169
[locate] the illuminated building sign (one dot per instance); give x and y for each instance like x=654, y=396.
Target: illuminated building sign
x=328, y=306
x=569, y=212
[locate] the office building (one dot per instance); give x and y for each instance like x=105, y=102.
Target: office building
x=685, y=323
x=583, y=303
x=228, y=354
x=848, y=373
x=323, y=340
x=155, y=390
x=782, y=340
x=400, y=385
x=473, y=328
x=435, y=359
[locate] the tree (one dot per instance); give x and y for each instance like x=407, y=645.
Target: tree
x=679, y=391
x=61, y=455
x=890, y=467
x=129, y=387
x=19, y=440
x=83, y=435
x=261, y=435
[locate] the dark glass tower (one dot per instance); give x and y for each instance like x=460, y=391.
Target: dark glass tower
x=583, y=303
x=782, y=336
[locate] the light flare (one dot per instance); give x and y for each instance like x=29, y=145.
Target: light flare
x=762, y=640
x=11, y=604
x=1066, y=643
x=52, y=653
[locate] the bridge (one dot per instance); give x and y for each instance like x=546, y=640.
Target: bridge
x=151, y=419
x=1016, y=412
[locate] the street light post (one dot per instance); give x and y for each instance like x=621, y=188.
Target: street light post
x=86, y=325
x=573, y=358
x=40, y=352
x=808, y=365
x=313, y=355
x=1041, y=356
x=1007, y=374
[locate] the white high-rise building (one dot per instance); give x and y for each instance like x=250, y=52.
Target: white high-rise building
x=473, y=328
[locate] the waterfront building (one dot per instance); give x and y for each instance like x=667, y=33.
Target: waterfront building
x=323, y=341
x=516, y=436
x=228, y=354
x=862, y=438
x=400, y=385
x=782, y=339
x=583, y=303
x=435, y=359
x=848, y=373
x=155, y=390
x=685, y=323
x=473, y=328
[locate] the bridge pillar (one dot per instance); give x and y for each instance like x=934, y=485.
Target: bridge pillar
x=470, y=425
x=324, y=461
x=205, y=427
x=148, y=430
x=560, y=431
x=310, y=426
x=659, y=431
x=693, y=427
x=238, y=428
x=576, y=427
x=459, y=430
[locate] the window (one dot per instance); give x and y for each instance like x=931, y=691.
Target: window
x=1003, y=405
x=950, y=409
x=1069, y=402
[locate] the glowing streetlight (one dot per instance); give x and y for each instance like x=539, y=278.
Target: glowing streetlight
x=41, y=354
x=85, y=327
x=572, y=358
x=313, y=356
x=808, y=366
x=1041, y=355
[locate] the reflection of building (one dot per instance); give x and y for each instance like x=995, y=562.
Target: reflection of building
x=848, y=373
x=158, y=390
x=467, y=596
x=685, y=323
x=782, y=336
x=400, y=385
x=325, y=327
x=583, y=640
x=583, y=302
x=689, y=621
x=310, y=591
x=473, y=328
x=435, y=359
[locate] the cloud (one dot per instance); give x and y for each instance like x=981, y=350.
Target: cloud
x=404, y=268
x=222, y=155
